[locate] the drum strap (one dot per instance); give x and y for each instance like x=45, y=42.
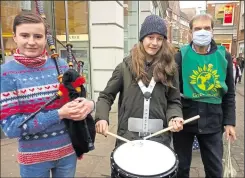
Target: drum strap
x=147, y=96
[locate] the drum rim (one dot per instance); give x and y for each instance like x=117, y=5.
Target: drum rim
x=124, y=172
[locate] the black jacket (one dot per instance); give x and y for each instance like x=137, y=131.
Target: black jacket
x=240, y=61
x=212, y=116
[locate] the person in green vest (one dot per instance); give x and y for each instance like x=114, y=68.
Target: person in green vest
x=207, y=89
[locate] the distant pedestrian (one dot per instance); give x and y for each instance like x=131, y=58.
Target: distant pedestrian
x=236, y=70
x=240, y=61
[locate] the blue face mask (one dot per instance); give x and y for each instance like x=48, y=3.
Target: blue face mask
x=202, y=37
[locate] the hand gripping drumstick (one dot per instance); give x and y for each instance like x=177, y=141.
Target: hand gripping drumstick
x=169, y=128
x=118, y=137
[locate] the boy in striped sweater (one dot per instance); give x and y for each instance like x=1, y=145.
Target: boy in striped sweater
x=27, y=82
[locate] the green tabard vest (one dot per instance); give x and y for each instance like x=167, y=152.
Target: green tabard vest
x=204, y=75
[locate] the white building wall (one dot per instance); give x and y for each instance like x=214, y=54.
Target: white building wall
x=106, y=42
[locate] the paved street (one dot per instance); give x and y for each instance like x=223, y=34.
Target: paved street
x=97, y=163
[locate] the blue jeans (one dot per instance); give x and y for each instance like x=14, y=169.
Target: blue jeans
x=65, y=167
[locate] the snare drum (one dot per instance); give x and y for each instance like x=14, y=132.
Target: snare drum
x=143, y=158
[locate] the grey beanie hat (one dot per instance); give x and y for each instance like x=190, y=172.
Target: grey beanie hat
x=153, y=24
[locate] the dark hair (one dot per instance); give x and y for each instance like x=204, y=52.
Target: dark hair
x=201, y=16
x=28, y=18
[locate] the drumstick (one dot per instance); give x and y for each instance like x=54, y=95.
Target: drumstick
x=169, y=128
x=118, y=137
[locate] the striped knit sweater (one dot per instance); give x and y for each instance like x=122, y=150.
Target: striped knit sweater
x=23, y=91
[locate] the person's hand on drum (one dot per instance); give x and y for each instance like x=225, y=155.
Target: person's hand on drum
x=177, y=124
x=102, y=127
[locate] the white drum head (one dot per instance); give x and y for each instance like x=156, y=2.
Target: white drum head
x=144, y=157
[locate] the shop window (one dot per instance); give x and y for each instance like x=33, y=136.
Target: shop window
x=9, y=9
x=77, y=32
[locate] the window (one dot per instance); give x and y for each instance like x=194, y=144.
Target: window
x=176, y=33
x=241, y=48
x=157, y=11
x=242, y=7
x=131, y=25
x=25, y=5
x=154, y=8
x=77, y=17
x=9, y=9
x=224, y=14
x=77, y=32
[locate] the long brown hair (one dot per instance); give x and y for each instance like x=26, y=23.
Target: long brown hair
x=164, y=64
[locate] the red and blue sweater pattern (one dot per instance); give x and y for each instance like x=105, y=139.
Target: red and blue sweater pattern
x=23, y=91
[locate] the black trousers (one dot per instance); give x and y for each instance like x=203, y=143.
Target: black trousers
x=211, y=148
x=240, y=77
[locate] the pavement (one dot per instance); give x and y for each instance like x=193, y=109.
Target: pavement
x=97, y=162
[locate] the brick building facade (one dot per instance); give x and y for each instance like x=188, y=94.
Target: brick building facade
x=226, y=19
